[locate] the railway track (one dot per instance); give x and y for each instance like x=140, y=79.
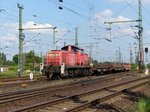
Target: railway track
x=13, y=95
x=19, y=80
x=15, y=81
x=81, y=101
x=11, y=98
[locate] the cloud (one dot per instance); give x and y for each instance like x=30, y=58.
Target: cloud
x=13, y=27
x=120, y=18
x=101, y=17
x=43, y=28
x=9, y=43
x=148, y=32
x=10, y=30
x=9, y=38
x=146, y=1
x=10, y=27
x=106, y=15
x=127, y=31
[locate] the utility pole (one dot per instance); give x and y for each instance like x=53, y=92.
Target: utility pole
x=116, y=55
x=20, y=55
x=136, y=56
x=131, y=57
x=76, y=36
x=33, y=60
x=91, y=12
x=41, y=57
x=64, y=43
x=141, y=52
x=54, y=30
x=119, y=55
x=91, y=49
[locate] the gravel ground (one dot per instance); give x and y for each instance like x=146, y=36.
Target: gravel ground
x=40, y=84
x=127, y=103
x=124, y=103
x=46, y=97
x=61, y=82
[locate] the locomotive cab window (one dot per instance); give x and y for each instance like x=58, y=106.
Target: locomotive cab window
x=65, y=49
x=81, y=50
x=74, y=49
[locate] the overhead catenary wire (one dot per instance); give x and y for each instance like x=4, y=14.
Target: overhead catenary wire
x=75, y=6
x=137, y=12
x=69, y=9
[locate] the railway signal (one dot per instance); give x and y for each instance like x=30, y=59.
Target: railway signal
x=146, y=51
x=146, y=71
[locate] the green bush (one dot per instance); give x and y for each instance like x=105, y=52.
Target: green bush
x=134, y=66
x=13, y=68
x=10, y=73
x=143, y=105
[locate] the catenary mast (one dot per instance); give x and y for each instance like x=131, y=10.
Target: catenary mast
x=141, y=53
x=21, y=36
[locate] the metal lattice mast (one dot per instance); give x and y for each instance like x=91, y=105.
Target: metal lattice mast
x=119, y=55
x=141, y=53
x=76, y=37
x=131, y=57
x=20, y=55
x=54, y=30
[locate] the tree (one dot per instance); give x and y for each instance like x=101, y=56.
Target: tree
x=8, y=62
x=2, y=58
x=15, y=58
x=30, y=59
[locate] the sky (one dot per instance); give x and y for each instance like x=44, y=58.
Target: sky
x=88, y=16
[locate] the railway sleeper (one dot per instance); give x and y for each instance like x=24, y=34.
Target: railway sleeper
x=76, y=99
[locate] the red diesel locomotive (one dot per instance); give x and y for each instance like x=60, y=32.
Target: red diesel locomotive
x=69, y=61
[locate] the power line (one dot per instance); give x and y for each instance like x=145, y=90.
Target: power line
x=69, y=9
x=123, y=8
x=73, y=5
x=146, y=11
x=137, y=12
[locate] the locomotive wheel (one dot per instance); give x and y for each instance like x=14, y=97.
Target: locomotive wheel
x=49, y=75
x=71, y=73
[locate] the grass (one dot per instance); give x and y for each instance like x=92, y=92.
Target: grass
x=143, y=105
x=14, y=73
x=7, y=74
